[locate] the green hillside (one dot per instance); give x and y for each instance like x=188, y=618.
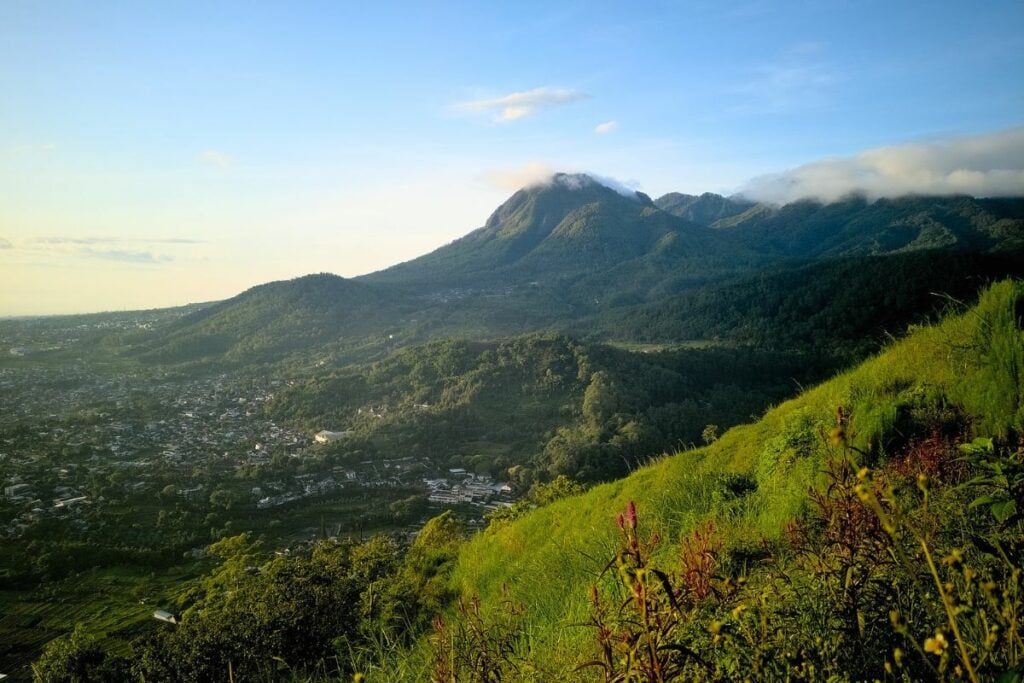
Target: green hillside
x=950, y=383
x=576, y=255
x=855, y=226
x=276, y=319
x=868, y=529
x=852, y=303
x=704, y=209
x=544, y=404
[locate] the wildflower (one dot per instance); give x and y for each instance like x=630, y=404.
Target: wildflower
x=992, y=637
x=621, y=521
x=631, y=515
x=897, y=656
x=954, y=558
x=863, y=473
x=937, y=644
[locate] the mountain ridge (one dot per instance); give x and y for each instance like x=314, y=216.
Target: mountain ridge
x=573, y=249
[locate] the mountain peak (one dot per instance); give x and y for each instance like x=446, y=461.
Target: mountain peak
x=702, y=209
x=581, y=181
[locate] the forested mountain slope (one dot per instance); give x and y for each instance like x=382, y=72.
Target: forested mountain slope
x=574, y=249
x=544, y=405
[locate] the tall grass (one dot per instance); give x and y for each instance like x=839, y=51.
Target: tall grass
x=753, y=480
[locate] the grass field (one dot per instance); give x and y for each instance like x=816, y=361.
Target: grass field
x=115, y=605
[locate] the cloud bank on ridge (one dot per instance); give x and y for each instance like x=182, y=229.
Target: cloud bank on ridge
x=986, y=165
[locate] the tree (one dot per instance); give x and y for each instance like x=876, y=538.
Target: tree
x=224, y=498
x=710, y=434
x=75, y=658
x=600, y=401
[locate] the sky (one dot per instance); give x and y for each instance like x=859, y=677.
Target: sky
x=155, y=154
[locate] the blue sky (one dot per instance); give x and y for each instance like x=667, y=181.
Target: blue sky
x=158, y=153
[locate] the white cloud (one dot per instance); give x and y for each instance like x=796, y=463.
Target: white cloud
x=150, y=251
x=127, y=255
x=606, y=127
x=518, y=105
x=214, y=157
x=538, y=173
x=987, y=165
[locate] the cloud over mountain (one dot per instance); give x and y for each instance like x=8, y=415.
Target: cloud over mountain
x=986, y=165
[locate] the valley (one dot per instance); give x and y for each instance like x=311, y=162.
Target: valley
x=582, y=340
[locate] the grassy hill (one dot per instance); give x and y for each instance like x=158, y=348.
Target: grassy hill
x=949, y=383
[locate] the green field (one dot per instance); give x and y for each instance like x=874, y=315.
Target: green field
x=115, y=605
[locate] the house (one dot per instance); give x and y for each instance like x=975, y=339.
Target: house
x=191, y=493
x=16, y=490
x=68, y=502
x=161, y=615
x=327, y=436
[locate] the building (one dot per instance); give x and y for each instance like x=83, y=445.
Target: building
x=161, y=615
x=327, y=436
x=16, y=490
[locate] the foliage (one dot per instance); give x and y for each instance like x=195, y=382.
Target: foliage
x=818, y=570
x=476, y=648
x=76, y=658
x=850, y=304
x=544, y=404
x=538, y=494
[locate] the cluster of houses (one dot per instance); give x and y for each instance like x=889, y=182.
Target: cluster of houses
x=202, y=422
x=31, y=508
x=462, y=487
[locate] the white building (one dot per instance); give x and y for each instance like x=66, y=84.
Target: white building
x=161, y=615
x=327, y=436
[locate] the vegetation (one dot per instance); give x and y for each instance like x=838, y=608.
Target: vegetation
x=575, y=254
x=868, y=529
x=816, y=306
x=756, y=554
x=544, y=405
x=878, y=513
